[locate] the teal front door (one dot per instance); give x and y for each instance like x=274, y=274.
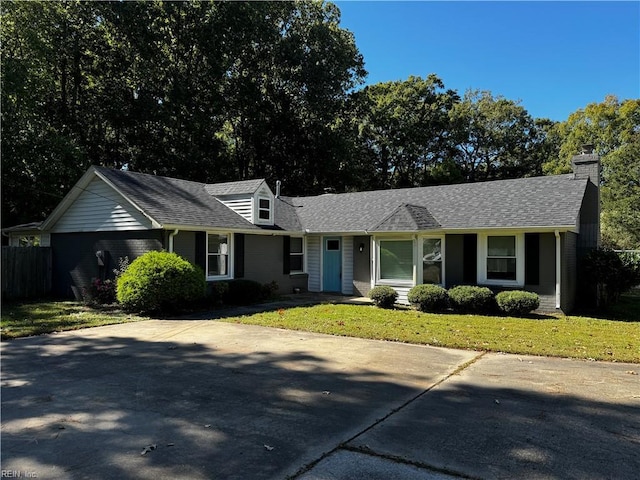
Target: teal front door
x=332, y=264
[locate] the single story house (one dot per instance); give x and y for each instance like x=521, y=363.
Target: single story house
x=525, y=233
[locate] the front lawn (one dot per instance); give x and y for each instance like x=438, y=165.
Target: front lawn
x=575, y=337
x=35, y=318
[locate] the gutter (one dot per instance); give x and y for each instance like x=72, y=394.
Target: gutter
x=171, y=235
x=558, y=269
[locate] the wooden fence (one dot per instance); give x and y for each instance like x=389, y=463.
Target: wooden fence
x=26, y=272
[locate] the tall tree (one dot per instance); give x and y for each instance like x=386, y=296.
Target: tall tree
x=613, y=128
x=494, y=138
x=404, y=131
x=206, y=91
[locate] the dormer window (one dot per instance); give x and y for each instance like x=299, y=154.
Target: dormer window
x=264, y=209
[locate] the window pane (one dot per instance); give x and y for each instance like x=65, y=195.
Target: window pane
x=264, y=203
x=217, y=244
x=295, y=263
x=501, y=268
x=396, y=260
x=263, y=214
x=295, y=245
x=431, y=249
x=333, y=244
x=217, y=265
x=501, y=246
x=432, y=272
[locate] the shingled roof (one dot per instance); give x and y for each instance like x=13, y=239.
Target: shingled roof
x=551, y=201
x=538, y=202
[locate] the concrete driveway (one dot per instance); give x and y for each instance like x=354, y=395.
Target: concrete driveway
x=195, y=399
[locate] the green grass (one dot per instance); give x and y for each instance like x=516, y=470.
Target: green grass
x=574, y=337
x=614, y=338
x=35, y=318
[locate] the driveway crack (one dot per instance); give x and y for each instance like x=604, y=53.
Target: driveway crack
x=345, y=444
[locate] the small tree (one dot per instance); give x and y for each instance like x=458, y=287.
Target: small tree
x=606, y=272
x=160, y=282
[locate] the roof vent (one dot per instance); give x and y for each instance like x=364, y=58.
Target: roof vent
x=278, y=184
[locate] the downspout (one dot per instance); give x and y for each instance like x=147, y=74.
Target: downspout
x=558, y=269
x=171, y=235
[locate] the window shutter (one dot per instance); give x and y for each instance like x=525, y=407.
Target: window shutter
x=286, y=252
x=201, y=250
x=470, y=259
x=238, y=255
x=532, y=259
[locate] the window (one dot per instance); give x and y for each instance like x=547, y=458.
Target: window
x=396, y=260
x=218, y=255
x=333, y=245
x=432, y=260
x=264, y=209
x=296, y=255
x=501, y=258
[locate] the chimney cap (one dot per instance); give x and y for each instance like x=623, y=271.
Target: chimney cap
x=587, y=148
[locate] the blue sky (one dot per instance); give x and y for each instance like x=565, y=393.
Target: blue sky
x=553, y=57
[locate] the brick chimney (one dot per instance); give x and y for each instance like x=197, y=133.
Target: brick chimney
x=587, y=165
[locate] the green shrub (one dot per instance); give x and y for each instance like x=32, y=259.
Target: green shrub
x=160, y=282
x=471, y=299
x=428, y=298
x=606, y=274
x=383, y=296
x=244, y=292
x=517, y=302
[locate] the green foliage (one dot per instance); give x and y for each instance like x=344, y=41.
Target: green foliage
x=609, y=274
x=232, y=89
x=428, y=298
x=160, y=282
x=242, y=291
x=471, y=299
x=383, y=296
x=517, y=302
x=612, y=127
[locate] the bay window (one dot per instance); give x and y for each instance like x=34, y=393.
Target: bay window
x=395, y=260
x=432, y=258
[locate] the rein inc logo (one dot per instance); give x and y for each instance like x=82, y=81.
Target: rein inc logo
x=17, y=474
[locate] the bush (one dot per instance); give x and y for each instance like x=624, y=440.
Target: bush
x=383, y=296
x=100, y=292
x=606, y=275
x=428, y=298
x=160, y=282
x=471, y=299
x=517, y=302
x=244, y=292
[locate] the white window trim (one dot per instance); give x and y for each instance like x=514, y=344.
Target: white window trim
x=482, y=259
x=263, y=221
x=230, y=256
x=303, y=254
x=391, y=281
x=443, y=258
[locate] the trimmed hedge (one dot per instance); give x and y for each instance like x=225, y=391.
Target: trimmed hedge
x=517, y=302
x=428, y=298
x=471, y=299
x=241, y=292
x=160, y=282
x=383, y=296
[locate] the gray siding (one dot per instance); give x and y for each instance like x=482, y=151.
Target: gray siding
x=184, y=244
x=347, y=265
x=546, y=288
x=361, y=266
x=263, y=263
x=454, y=260
x=314, y=250
x=74, y=262
x=569, y=270
x=100, y=208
